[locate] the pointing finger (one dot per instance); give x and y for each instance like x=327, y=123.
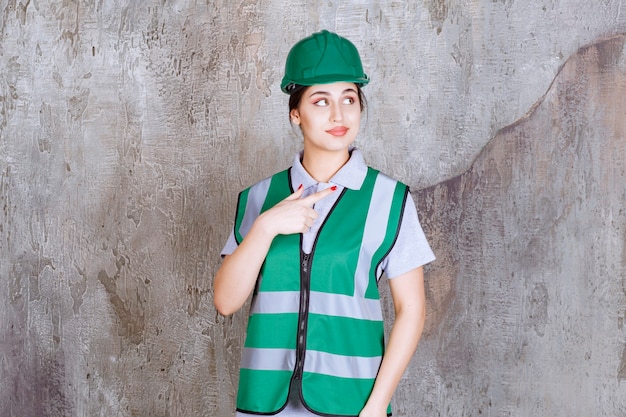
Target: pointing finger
x=314, y=198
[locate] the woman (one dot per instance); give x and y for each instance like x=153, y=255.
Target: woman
x=312, y=257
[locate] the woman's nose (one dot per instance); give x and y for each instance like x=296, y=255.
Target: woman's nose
x=336, y=113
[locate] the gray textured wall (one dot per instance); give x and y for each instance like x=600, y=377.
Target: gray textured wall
x=528, y=298
x=127, y=129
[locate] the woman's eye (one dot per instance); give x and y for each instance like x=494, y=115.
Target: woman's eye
x=348, y=100
x=321, y=102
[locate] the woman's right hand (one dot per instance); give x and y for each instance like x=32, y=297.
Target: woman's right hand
x=236, y=277
x=294, y=214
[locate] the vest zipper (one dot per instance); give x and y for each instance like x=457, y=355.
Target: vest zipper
x=305, y=284
x=306, y=260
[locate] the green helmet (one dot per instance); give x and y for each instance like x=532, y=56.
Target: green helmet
x=322, y=58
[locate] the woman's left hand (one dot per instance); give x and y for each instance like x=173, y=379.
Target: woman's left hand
x=371, y=412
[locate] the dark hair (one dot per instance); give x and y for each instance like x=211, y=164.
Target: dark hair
x=298, y=90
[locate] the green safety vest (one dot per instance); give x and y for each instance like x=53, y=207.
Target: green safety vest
x=315, y=319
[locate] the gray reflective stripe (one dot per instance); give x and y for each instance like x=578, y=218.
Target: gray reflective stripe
x=274, y=302
x=340, y=365
x=345, y=306
x=375, y=229
x=256, y=198
x=268, y=359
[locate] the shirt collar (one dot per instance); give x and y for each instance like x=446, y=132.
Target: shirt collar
x=351, y=175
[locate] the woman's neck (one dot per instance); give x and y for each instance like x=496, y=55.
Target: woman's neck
x=322, y=166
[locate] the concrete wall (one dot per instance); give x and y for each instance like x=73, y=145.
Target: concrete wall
x=528, y=297
x=127, y=129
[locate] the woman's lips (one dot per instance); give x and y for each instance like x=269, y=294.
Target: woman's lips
x=338, y=131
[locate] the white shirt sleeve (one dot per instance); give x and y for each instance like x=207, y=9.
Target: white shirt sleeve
x=231, y=244
x=411, y=249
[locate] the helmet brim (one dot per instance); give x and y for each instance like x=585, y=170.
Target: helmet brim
x=287, y=86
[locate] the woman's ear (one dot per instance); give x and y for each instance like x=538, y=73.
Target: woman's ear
x=294, y=115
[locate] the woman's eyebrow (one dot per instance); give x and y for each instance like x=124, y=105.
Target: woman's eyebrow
x=323, y=93
x=326, y=93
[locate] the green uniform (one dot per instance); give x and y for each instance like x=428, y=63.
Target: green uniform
x=315, y=319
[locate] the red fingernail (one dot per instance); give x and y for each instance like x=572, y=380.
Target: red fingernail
x=334, y=187
x=300, y=186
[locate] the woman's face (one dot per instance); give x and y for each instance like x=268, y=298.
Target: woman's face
x=329, y=116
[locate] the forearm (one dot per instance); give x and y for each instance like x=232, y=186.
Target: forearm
x=236, y=277
x=409, y=302
x=403, y=340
